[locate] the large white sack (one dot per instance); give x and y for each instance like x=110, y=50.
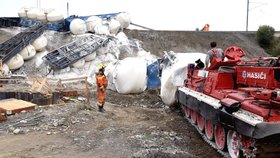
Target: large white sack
x=79, y=64
x=124, y=19
x=92, y=21
x=174, y=75
x=32, y=13
x=54, y=16
x=22, y=12
x=39, y=58
x=109, y=72
x=124, y=46
x=114, y=26
x=42, y=15
x=131, y=75
x=78, y=26
x=15, y=62
x=90, y=57
x=101, y=29
x=5, y=69
x=28, y=52
x=122, y=39
x=40, y=43
x=109, y=48
x=147, y=56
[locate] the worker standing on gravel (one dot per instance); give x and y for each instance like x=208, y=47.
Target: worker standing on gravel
x=214, y=53
x=101, y=83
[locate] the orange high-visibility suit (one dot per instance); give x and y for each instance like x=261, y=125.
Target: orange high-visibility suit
x=206, y=27
x=101, y=82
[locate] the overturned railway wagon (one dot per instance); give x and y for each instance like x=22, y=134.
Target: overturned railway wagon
x=235, y=104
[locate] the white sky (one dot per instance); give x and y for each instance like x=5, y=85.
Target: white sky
x=222, y=15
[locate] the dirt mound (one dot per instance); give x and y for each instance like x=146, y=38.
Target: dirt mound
x=193, y=41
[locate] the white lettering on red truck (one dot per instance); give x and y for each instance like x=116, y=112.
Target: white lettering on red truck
x=255, y=75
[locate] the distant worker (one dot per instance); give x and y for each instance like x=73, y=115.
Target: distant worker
x=206, y=27
x=213, y=53
x=101, y=83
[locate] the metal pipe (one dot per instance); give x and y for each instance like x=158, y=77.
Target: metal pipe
x=141, y=26
x=67, y=9
x=247, y=19
x=38, y=3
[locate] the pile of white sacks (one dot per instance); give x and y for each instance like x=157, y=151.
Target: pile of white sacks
x=40, y=14
x=97, y=25
x=126, y=75
x=129, y=75
x=126, y=65
x=25, y=54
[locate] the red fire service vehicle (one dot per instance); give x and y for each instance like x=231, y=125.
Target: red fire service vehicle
x=235, y=104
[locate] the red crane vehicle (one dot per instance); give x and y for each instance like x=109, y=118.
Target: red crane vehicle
x=235, y=104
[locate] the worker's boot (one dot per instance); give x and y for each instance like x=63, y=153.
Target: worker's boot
x=98, y=105
x=101, y=109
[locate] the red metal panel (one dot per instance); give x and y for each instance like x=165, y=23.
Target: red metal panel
x=228, y=101
x=256, y=76
x=218, y=81
x=269, y=115
x=240, y=96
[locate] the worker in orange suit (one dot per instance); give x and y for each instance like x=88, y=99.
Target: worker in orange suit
x=206, y=27
x=101, y=83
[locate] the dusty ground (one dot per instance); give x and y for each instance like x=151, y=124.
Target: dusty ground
x=128, y=128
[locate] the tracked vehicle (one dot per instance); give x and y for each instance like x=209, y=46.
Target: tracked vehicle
x=235, y=104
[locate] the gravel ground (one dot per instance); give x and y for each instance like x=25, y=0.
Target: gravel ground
x=127, y=129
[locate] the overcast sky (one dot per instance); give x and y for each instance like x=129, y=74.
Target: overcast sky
x=222, y=15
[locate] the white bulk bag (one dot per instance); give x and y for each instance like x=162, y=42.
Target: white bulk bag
x=92, y=21
x=131, y=75
x=28, y=52
x=122, y=39
x=90, y=57
x=174, y=75
x=54, y=16
x=39, y=58
x=42, y=15
x=78, y=26
x=101, y=29
x=40, y=43
x=5, y=69
x=124, y=19
x=114, y=26
x=79, y=64
x=109, y=72
x=32, y=13
x=22, y=13
x=124, y=46
x=15, y=62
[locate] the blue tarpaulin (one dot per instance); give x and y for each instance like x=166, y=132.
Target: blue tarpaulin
x=153, y=75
